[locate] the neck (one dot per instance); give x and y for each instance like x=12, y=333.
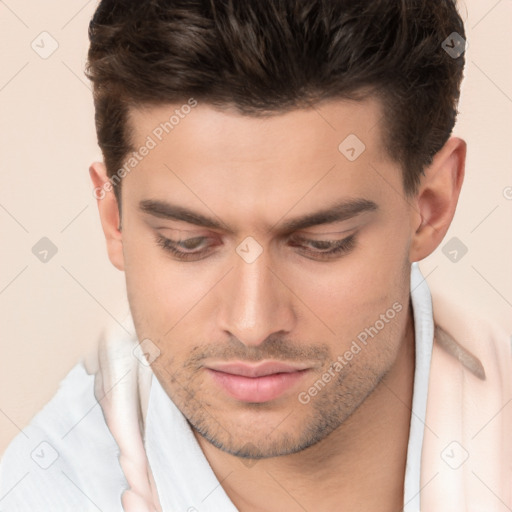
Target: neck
x=360, y=465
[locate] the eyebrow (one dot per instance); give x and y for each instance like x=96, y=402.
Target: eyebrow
x=338, y=212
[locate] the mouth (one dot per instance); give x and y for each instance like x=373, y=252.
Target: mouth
x=256, y=383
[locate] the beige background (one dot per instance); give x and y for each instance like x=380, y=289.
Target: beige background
x=52, y=313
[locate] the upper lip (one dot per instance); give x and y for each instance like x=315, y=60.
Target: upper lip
x=256, y=370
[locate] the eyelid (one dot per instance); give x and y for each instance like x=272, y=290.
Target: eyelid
x=305, y=233
x=180, y=235
x=356, y=223
x=179, y=230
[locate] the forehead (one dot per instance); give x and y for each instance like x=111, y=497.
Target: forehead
x=228, y=133
x=228, y=160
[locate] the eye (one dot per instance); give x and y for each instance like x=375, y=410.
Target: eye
x=188, y=249
x=324, y=249
x=196, y=248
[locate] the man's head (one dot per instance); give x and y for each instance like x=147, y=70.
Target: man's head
x=268, y=158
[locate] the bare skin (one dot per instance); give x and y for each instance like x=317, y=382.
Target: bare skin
x=343, y=448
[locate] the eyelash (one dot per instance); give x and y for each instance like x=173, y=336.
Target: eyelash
x=341, y=247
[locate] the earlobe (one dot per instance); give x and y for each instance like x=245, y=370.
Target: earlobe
x=109, y=213
x=437, y=198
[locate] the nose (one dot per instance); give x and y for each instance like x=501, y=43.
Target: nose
x=254, y=302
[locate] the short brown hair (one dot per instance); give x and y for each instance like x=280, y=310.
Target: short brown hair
x=266, y=57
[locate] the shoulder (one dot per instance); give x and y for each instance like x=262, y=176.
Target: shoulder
x=66, y=458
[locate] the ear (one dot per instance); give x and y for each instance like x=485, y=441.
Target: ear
x=437, y=198
x=109, y=213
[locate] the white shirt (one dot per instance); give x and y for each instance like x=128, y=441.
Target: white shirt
x=67, y=459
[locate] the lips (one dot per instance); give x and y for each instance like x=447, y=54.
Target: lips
x=257, y=370
x=256, y=383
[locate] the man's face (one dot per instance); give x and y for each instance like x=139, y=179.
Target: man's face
x=255, y=286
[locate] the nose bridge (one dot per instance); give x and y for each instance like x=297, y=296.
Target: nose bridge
x=255, y=305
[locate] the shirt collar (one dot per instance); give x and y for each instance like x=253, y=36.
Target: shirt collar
x=424, y=337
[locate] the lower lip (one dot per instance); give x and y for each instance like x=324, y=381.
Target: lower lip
x=256, y=389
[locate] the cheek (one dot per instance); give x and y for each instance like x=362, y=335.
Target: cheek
x=162, y=292
x=352, y=292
